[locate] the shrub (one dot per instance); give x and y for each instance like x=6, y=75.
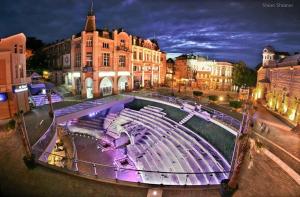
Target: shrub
x=235, y=104
x=213, y=97
x=11, y=124
x=197, y=93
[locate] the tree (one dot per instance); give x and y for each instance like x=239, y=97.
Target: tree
x=246, y=143
x=242, y=75
x=235, y=104
x=37, y=62
x=34, y=44
x=197, y=94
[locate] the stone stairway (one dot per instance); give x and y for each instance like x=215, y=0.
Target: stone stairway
x=41, y=99
x=187, y=118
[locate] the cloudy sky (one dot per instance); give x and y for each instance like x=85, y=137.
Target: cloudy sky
x=221, y=29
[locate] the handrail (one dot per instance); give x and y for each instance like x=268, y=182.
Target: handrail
x=131, y=169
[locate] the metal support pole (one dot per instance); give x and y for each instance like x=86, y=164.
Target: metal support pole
x=75, y=165
x=95, y=169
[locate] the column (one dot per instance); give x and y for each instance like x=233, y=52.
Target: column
x=151, y=75
x=143, y=75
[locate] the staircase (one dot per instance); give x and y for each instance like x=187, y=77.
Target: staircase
x=90, y=123
x=187, y=118
x=42, y=99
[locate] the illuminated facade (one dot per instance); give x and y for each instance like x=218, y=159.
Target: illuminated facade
x=100, y=62
x=13, y=80
x=278, y=83
x=203, y=73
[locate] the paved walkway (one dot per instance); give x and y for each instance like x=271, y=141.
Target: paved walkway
x=279, y=132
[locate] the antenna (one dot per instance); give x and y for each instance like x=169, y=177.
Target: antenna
x=91, y=11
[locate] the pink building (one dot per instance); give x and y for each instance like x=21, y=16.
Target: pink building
x=99, y=62
x=13, y=80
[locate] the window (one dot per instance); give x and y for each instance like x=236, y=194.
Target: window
x=16, y=48
x=134, y=55
x=16, y=70
x=21, y=71
x=89, y=42
x=78, y=60
x=106, y=59
x=122, y=42
x=141, y=56
x=105, y=45
x=122, y=60
x=21, y=49
x=89, y=59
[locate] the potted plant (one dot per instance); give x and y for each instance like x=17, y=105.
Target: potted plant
x=197, y=94
x=213, y=98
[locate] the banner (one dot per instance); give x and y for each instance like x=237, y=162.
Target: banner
x=67, y=60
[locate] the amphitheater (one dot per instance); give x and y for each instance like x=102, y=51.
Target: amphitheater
x=144, y=140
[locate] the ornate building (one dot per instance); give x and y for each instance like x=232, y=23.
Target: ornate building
x=101, y=62
x=13, y=79
x=278, y=83
x=203, y=73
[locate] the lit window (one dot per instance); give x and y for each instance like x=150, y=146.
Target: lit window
x=122, y=42
x=21, y=71
x=122, y=60
x=106, y=59
x=21, y=49
x=105, y=45
x=78, y=59
x=16, y=71
x=89, y=42
x=89, y=59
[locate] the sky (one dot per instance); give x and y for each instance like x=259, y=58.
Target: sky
x=220, y=29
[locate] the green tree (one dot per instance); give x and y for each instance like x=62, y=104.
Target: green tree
x=242, y=75
x=37, y=62
x=235, y=104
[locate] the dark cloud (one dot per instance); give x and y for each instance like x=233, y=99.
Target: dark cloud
x=233, y=30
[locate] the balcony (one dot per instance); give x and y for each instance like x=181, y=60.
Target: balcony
x=122, y=48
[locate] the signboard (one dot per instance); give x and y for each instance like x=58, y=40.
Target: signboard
x=66, y=60
x=3, y=96
x=87, y=69
x=20, y=88
x=244, y=93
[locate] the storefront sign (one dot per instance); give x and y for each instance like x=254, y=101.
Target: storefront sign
x=3, y=96
x=87, y=69
x=123, y=73
x=20, y=88
x=106, y=74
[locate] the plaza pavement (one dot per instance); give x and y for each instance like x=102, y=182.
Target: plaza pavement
x=279, y=138
x=37, y=120
x=265, y=178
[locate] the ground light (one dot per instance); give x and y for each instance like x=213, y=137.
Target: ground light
x=221, y=98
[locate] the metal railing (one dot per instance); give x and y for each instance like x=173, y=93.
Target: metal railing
x=45, y=140
x=219, y=116
x=104, y=172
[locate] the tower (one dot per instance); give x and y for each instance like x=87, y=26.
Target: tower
x=90, y=24
x=268, y=55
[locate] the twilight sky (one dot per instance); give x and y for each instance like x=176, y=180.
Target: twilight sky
x=235, y=30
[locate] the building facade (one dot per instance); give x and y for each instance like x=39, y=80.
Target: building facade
x=202, y=73
x=13, y=80
x=278, y=83
x=99, y=62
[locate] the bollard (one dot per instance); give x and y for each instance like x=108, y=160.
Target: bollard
x=95, y=169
